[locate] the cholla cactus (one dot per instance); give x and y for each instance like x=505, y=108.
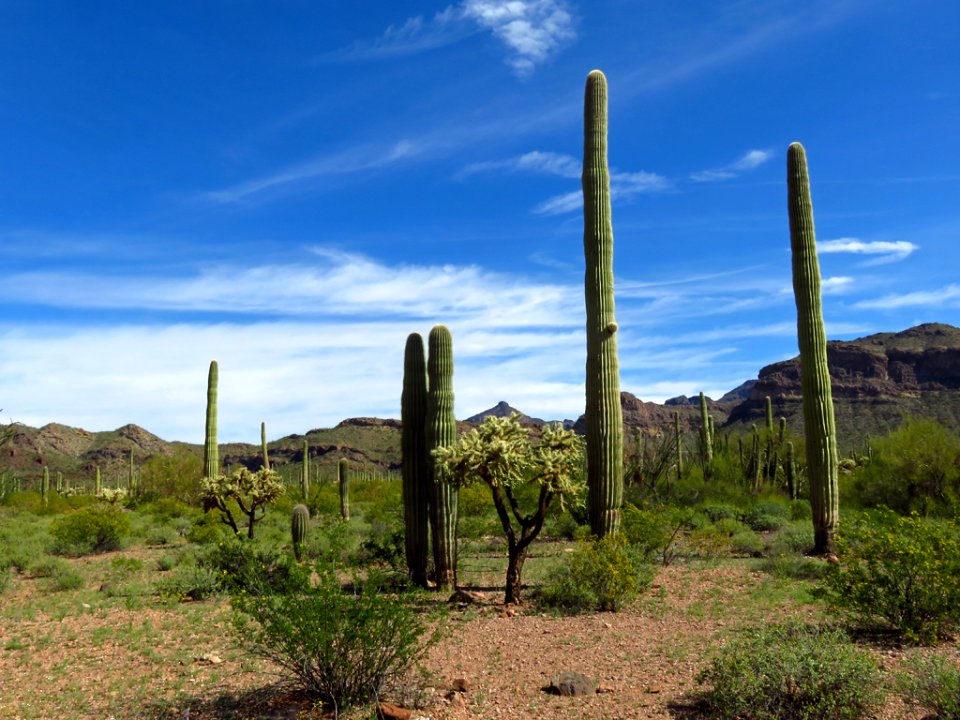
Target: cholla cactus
x=252, y=491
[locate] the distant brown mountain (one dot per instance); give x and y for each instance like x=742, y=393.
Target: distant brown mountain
x=877, y=381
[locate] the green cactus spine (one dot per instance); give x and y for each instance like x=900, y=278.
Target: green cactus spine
x=299, y=522
x=263, y=445
x=305, y=471
x=604, y=416
x=211, y=451
x=441, y=431
x=416, y=472
x=343, y=474
x=818, y=420
x=706, y=439
x=45, y=486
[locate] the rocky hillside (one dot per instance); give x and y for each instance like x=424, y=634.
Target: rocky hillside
x=877, y=381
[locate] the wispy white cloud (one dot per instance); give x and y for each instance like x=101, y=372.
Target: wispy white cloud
x=530, y=30
x=623, y=186
x=355, y=160
x=836, y=285
x=536, y=161
x=750, y=160
x=886, y=251
x=941, y=297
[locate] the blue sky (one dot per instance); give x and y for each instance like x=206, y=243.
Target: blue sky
x=292, y=187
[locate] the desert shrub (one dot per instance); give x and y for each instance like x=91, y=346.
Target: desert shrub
x=93, y=529
x=730, y=526
x=766, y=515
x=61, y=575
x=904, y=570
x=340, y=647
x=791, y=672
x=189, y=581
x=602, y=575
x=166, y=562
x=208, y=529
x=800, y=510
x=932, y=682
x=6, y=578
x=915, y=468
x=747, y=542
x=242, y=565
x=653, y=531
x=173, y=478
x=720, y=511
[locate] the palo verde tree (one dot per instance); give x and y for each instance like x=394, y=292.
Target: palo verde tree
x=251, y=492
x=500, y=454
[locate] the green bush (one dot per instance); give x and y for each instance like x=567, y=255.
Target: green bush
x=93, y=529
x=342, y=648
x=766, y=515
x=916, y=468
x=6, y=578
x=60, y=573
x=653, y=531
x=904, y=570
x=602, y=575
x=189, y=581
x=791, y=672
x=748, y=543
x=720, y=512
x=934, y=683
x=242, y=565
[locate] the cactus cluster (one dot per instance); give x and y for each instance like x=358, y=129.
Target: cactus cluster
x=604, y=416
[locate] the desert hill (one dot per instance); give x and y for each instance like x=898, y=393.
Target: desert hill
x=877, y=381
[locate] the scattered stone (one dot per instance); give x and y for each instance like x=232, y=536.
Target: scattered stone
x=211, y=658
x=462, y=685
x=654, y=689
x=508, y=611
x=601, y=689
x=389, y=711
x=465, y=597
x=571, y=684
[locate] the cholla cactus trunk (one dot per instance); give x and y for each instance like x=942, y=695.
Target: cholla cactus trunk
x=818, y=420
x=211, y=451
x=441, y=432
x=343, y=474
x=305, y=472
x=706, y=439
x=299, y=522
x=45, y=487
x=416, y=472
x=604, y=416
x=263, y=445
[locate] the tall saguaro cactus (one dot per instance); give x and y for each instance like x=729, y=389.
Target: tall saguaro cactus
x=305, y=471
x=263, y=445
x=211, y=451
x=706, y=438
x=604, y=417
x=416, y=477
x=343, y=475
x=441, y=432
x=818, y=421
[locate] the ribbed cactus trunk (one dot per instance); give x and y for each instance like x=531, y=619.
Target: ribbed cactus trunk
x=679, y=441
x=706, y=438
x=305, y=472
x=97, y=482
x=604, y=417
x=299, y=522
x=211, y=451
x=45, y=487
x=818, y=421
x=343, y=475
x=768, y=411
x=441, y=432
x=263, y=445
x=416, y=472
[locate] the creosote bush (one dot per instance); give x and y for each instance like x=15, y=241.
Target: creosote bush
x=791, y=672
x=603, y=574
x=933, y=683
x=902, y=570
x=341, y=647
x=93, y=529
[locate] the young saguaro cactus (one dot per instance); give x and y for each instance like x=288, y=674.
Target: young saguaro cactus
x=305, y=471
x=343, y=474
x=679, y=440
x=299, y=522
x=441, y=432
x=706, y=438
x=97, y=483
x=263, y=445
x=818, y=420
x=211, y=451
x=416, y=473
x=604, y=416
x=45, y=486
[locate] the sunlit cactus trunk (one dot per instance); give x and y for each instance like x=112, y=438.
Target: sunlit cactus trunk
x=818, y=421
x=604, y=418
x=343, y=475
x=211, y=452
x=441, y=432
x=263, y=445
x=299, y=523
x=416, y=473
